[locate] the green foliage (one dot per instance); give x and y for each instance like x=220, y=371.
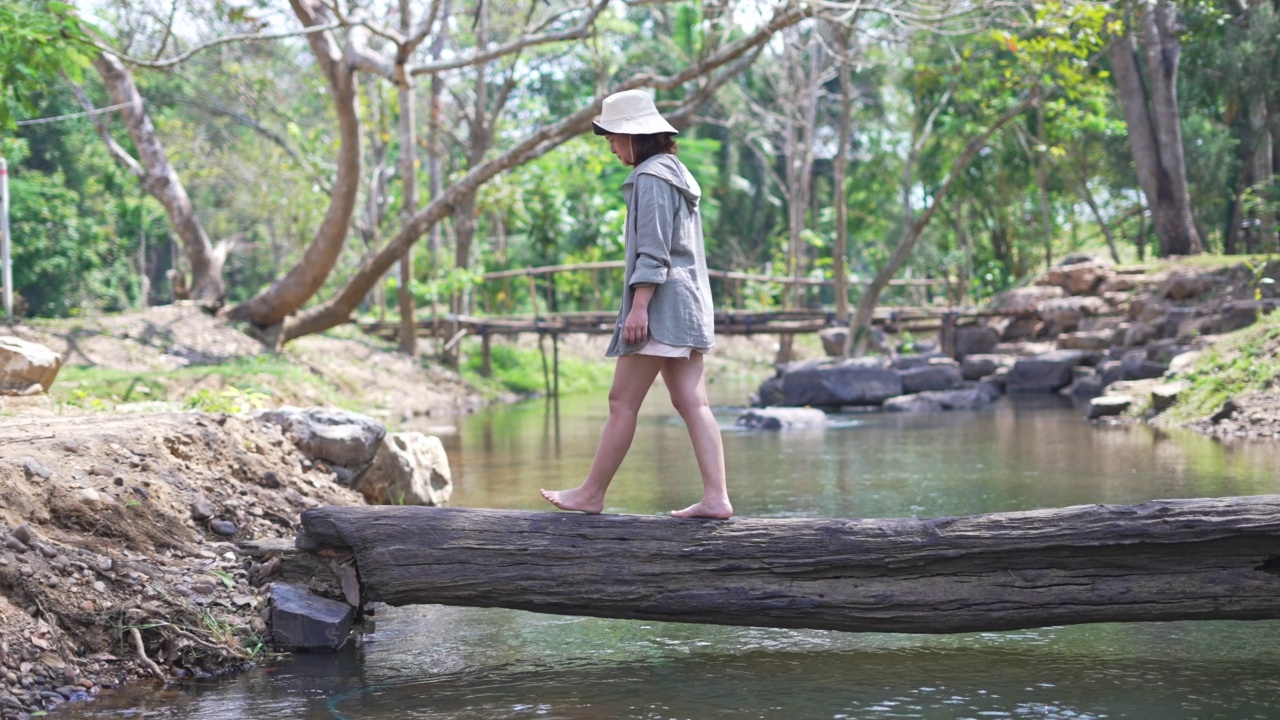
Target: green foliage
x=520, y=370
x=39, y=41
x=1248, y=361
x=228, y=400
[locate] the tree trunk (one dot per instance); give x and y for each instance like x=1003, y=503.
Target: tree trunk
x=840, y=167
x=160, y=180
x=1195, y=559
x=1155, y=129
x=288, y=294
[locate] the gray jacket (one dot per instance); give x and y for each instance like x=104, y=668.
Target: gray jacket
x=664, y=248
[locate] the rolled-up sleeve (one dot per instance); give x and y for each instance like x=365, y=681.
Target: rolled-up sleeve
x=654, y=211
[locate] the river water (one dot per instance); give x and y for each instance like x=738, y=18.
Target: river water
x=1029, y=452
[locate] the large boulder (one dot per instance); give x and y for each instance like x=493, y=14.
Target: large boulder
x=973, y=367
x=346, y=440
x=26, y=368
x=790, y=418
x=863, y=381
x=303, y=621
x=975, y=340
x=935, y=400
x=833, y=339
x=1049, y=372
x=1181, y=285
x=1064, y=314
x=1079, y=274
x=934, y=376
x=409, y=469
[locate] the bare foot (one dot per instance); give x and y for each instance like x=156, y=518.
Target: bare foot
x=716, y=510
x=575, y=499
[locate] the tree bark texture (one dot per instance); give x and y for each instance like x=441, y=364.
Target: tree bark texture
x=1162, y=560
x=161, y=180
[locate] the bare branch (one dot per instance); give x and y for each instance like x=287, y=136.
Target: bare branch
x=271, y=135
x=575, y=33
x=170, y=62
x=121, y=155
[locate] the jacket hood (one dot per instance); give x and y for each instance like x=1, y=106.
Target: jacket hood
x=669, y=169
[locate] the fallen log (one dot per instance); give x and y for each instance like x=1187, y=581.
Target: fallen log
x=1162, y=560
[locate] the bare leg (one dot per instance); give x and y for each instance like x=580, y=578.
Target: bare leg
x=632, y=377
x=689, y=395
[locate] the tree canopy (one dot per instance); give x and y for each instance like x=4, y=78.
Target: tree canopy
x=296, y=162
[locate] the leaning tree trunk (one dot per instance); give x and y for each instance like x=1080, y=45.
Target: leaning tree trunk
x=161, y=181
x=1162, y=560
x=285, y=296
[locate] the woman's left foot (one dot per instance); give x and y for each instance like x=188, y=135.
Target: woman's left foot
x=711, y=510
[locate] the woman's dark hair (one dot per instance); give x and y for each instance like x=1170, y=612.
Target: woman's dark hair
x=644, y=147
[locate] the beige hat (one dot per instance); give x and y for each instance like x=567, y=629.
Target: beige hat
x=631, y=112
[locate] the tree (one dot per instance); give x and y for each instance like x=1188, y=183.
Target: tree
x=1155, y=125
x=39, y=42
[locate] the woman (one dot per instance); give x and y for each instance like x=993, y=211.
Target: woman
x=666, y=322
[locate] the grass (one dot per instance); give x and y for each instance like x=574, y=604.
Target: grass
x=1246, y=362
x=520, y=370
x=233, y=386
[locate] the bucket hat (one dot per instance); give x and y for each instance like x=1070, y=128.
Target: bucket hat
x=631, y=112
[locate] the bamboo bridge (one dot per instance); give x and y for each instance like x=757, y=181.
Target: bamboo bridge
x=732, y=319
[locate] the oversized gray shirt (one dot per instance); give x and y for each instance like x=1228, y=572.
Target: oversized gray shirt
x=664, y=248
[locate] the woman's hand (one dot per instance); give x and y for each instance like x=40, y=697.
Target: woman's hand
x=635, y=328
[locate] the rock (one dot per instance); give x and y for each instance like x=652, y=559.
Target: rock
x=1108, y=405
x=335, y=436
x=833, y=339
x=1139, y=333
x=24, y=533
x=1117, y=283
x=1049, y=372
x=770, y=393
x=782, y=419
x=1079, y=274
x=32, y=468
x=225, y=528
x=975, y=340
x=1027, y=298
x=1065, y=314
x=935, y=400
x=1086, y=387
x=936, y=376
x=1136, y=366
x=913, y=361
x=1181, y=285
x=301, y=621
x=1086, y=340
x=1228, y=409
x=914, y=403
x=25, y=364
x=1164, y=396
x=409, y=469
x=980, y=365
x=202, y=509
x=1184, y=361
x=864, y=381
x=14, y=544
x=1110, y=371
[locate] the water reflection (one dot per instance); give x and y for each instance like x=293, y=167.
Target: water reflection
x=439, y=662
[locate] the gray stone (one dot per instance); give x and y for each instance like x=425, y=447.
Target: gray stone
x=301, y=621
x=770, y=393
x=225, y=528
x=1086, y=385
x=336, y=436
x=833, y=339
x=24, y=532
x=936, y=400
x=782, y=419
x=1079, y=274
x=914, y=403
x=1164, y=396
x=1049, y=372
x=1136, y=366
x=1065, y=314
x=975, y=340
x=930, y=377
x=864, y=381
x=202, y=509
x=1110, y=371
x=409, y=469
x=1183, y=285
x=980, y=365
x=1086, y=340
x=1108, y=405
x=32, y=468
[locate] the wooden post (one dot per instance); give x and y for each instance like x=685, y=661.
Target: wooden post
x=947, y=335
x=486, y=354
x=1196, y=559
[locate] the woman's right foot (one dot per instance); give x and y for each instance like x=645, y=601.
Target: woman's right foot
x=577, y=499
